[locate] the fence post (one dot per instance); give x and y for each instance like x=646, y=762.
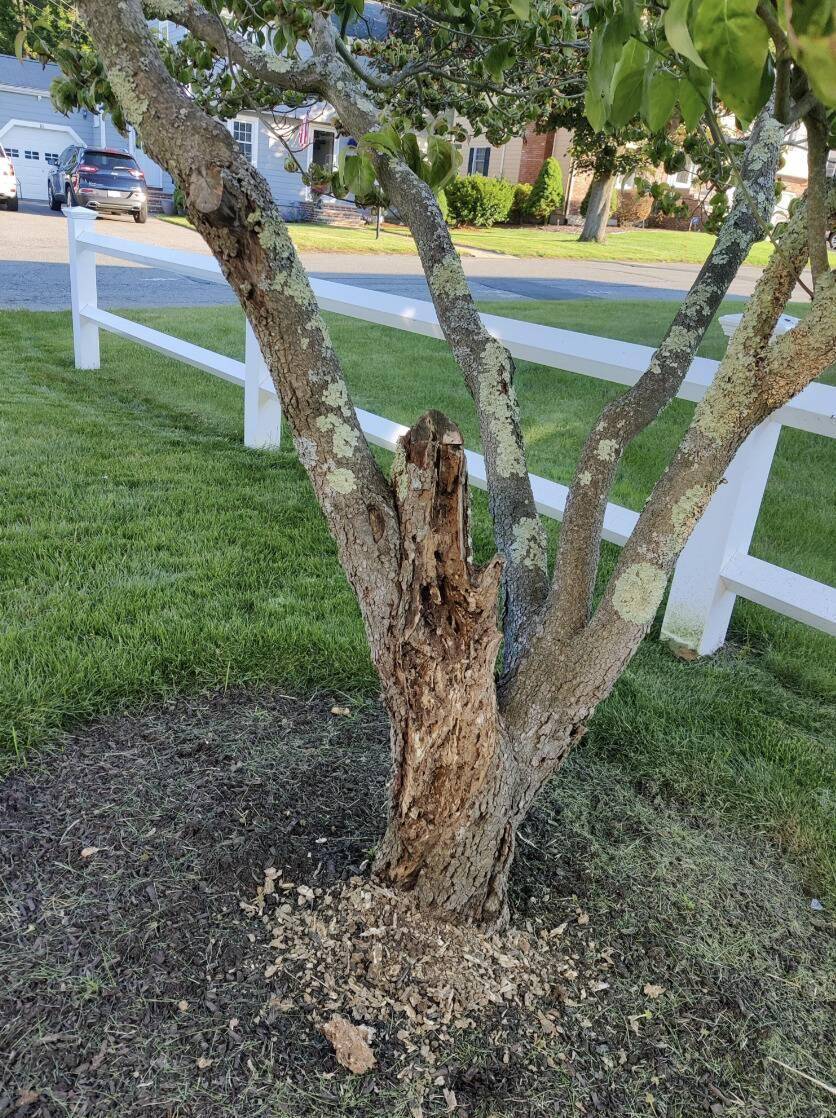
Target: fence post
x=262, y=408
x=700, y=604
x=82, y=287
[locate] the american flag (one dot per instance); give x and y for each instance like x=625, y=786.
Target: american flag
x=304, y=133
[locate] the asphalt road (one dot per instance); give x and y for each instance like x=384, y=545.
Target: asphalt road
x=34, y=273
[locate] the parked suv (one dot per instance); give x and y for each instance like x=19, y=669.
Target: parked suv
x=8, y=181
x=104, y=179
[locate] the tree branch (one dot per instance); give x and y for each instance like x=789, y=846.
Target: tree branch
x=561, y=685
x=232, y=207
x=281, y=73
x=486, y=366
x=631, y=413
x=817, y=152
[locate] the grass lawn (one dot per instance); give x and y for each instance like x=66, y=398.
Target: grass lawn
x=642, y=246
x=145, y=552
x=327, y=238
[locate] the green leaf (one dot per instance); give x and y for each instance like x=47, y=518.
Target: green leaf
x=660, y=92
x=694, y=91
x=677, y=33
x=498, y=59
x=734, y=42
x=357, y=174
x=444, y=159
x=385, y=140
x=605, y=46
x=628, y=82
x=20, y=39
x=818, y=57
x=411, y=152
x=521, y=9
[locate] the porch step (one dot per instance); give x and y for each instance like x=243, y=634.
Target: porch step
x=327, y=212
x=155, y=199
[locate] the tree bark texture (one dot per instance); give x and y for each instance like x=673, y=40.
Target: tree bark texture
x=598, y=209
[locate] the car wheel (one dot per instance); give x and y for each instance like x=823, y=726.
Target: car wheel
x=833, y=240
x=141, y=215
x=11, y=204
x=54, y=204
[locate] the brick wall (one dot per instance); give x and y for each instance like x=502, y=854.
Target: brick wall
x=536, y=149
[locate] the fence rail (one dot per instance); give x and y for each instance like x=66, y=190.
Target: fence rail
x=713, y=569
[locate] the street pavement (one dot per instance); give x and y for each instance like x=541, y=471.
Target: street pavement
x=34, y=273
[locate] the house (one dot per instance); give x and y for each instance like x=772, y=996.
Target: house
x=521, y=158
x=34, y=134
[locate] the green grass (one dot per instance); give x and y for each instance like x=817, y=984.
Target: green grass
x=144, y=551
x=647, y=246
x=333, y=238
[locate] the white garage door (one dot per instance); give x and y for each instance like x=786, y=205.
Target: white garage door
x=33, y=148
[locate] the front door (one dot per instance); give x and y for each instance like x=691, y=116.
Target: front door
x=323, y=149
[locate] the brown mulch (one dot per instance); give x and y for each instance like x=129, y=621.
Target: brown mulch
x=184, y=904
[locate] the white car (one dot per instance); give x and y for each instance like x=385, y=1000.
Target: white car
x=9, y=192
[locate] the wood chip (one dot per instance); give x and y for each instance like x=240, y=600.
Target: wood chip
x=350, y=1045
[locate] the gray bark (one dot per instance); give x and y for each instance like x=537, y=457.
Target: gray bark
x=598, y=209
x=580, y=535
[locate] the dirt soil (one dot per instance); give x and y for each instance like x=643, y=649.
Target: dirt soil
x=133, y=982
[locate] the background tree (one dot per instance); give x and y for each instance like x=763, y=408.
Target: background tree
x=472, y=746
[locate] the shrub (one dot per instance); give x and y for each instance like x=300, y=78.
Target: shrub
x=477, y=200
x=718, y=209
x=443, y=205
x=178, y=201
x=633, y=208
x=519, y=206
x=547, y=195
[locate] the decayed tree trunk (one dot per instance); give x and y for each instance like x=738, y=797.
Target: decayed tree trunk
x=448, y=838
x=598, y=209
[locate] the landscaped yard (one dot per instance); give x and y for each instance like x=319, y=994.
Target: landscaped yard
x=641, y=246
x=145, y=551
x=153, y=567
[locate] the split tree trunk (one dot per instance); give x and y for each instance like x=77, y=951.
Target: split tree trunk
x=598, y=209
x=456, y=793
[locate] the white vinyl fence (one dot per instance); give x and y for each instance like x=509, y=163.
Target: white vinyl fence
x=714, y=567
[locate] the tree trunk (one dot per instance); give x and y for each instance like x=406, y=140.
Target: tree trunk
x=597, y=209
x=452, y=819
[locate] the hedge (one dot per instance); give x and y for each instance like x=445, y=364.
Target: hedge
x=477, y=200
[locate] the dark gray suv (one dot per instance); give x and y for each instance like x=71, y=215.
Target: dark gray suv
x=103, y=179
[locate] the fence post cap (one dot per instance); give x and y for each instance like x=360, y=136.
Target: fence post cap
x=78, y=213
x=730, y=322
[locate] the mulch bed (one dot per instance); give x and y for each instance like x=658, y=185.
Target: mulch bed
x=137, y=977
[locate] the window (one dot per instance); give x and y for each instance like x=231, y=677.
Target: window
x=31, y=154
x=51, y=157
x=683, y=178
x=323, y=149
x=105, y=161
x=242, y=133
x=478, y=161
x=13, y=153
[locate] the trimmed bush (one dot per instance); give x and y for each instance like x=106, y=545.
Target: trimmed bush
x=547, y=195
x=633, y=209
x=519, y=207
x=477, y=200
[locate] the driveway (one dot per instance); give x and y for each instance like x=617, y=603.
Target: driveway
x=34, y=273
